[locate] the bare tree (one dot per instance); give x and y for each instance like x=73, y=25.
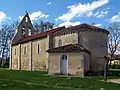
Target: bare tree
x=43, y=26
x=48, y=25
x=6, y=34
x=114, y=39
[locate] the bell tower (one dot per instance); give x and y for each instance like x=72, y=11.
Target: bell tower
x=24, y=29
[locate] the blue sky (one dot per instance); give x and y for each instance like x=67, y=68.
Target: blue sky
x=62, y=12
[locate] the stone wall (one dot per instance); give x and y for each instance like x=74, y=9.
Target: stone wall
x=15, y=57
x=75, y=63
x=39, y=59
x=96, y=42
x=66, y=39
x=25, y=56
x=86, y=62
x=30, y=59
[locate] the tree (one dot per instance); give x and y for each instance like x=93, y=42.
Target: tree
x=48, y=25
x=114, y=39
x=43, y=26
x=6, y=34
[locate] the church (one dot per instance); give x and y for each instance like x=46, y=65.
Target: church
x=75, y=50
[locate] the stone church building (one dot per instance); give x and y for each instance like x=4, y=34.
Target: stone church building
x=75, y=50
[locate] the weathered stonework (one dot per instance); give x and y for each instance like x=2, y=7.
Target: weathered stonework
x=66, y=39
x=25, y=56
x=96, y=43
x=31, y=60
x=24, y=49
x=14, y=64
x=39, y=60
x=75, y=63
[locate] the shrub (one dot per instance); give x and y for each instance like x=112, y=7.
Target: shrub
x=5, y=65
x=114, y=66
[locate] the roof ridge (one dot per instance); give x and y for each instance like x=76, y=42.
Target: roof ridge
x=69, y=48
x=38, y=35
x=47, y=31
x=81, y=27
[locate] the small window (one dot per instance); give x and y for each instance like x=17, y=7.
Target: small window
x=25, y=51
x=23, y=31
x=29, y=32
x=64, y=57
x=60, y=43
x=15, y=52
x=26, y=19
x=38, y=48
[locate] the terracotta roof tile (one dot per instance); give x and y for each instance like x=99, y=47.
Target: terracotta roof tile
x=68, y=48
x=87, y=27
x=38, y=35
x=83, y=27
x=43, y=34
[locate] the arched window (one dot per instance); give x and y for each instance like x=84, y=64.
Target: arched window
x=29, y=32
x=26, y=19
x=64, y=57
x=23, y=31
x=25, y=50
x=15, y=52
x=38, y=48
x=60, y=43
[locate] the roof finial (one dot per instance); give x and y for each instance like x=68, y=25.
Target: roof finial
x=26, y=12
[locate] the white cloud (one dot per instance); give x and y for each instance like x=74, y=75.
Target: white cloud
x=115, y=18
x=97, y=25
x=20, y=17
x=36, y=15
x=101, y=14
x=67, y=24
x=89, y=13
x=49, y=3
x=79, y=9
x=3, y=17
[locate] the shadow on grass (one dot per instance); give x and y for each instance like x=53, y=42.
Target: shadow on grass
x=110, y=74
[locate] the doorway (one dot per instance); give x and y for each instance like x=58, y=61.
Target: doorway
x=64, y=64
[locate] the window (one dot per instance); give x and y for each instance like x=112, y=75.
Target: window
x=23, y=31
x=25, y=51
x=64, y=57
x=15, y=52
x=26, y=19
x=38, y=48
x=29, y=32
x=60, y=43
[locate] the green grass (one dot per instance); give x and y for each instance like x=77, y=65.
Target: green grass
x=39, y=80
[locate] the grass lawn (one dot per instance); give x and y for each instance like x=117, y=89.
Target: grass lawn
x=38, y=80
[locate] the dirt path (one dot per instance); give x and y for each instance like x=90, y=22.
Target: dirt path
x=114, y=80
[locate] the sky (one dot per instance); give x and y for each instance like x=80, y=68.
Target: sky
x=62, y=12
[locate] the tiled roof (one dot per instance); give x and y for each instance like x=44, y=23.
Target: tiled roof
x=85, y=26
x=38, y=35
x=81, y=28
x=78, y=27
x=68, y=48
x=88, y=27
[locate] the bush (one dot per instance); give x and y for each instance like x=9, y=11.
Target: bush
x=115, y=66
x=5, y=65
